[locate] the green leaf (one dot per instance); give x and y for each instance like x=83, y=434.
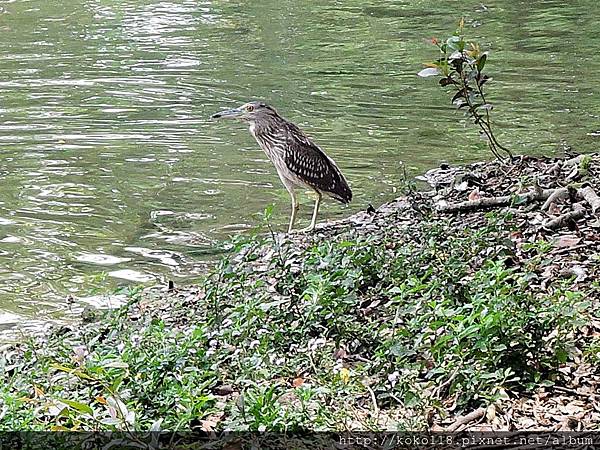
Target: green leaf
x=76, y=372
x=110, y=421
x=518, y=199
x=116, y=364
x=453, y=43
x=484, y=79
x=458, y=95
x=269, y=211
x=81, y=407
x=410, y=399
x=395, y=290
x=469, y=330
x=562, y=355
x=481, y=62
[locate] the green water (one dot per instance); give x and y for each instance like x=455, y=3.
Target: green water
x=112, y=173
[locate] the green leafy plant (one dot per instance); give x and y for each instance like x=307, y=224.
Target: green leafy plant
x=461, y=66
x=393, y=322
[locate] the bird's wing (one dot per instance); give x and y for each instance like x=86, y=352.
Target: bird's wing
x=310, y=164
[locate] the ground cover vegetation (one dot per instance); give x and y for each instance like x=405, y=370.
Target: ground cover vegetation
x=408, y=317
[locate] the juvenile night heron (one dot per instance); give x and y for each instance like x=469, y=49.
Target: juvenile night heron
x=300, y=163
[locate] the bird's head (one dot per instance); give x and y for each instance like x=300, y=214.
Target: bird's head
x=248, y=112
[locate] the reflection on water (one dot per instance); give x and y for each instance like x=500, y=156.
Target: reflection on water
x=112, y=173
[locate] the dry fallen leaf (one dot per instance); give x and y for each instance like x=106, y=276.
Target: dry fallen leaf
x=345, y=375
x=208, y=425
x=579, y=272
x=567, y=241
x=571, y=409
x=298, y=382
x=38, y=392
x=224, y=389
x=233, y=446
x=550, y=271
x=490, y=413
x=554, y=210
x=340, y=353
x=516, y=235
x=474, y=195
x=461, y=187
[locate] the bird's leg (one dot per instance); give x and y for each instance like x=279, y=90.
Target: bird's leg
x=295, y=207
x=313, y=222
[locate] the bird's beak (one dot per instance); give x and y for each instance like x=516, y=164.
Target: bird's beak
x=228, y=114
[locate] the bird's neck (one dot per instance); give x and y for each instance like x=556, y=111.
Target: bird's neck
x=266, y=136
x=252, y=128
x=257, y=129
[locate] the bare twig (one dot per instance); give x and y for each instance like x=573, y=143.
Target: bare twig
x=555, y=169
x=559, y=194
x=480, y=121
x=374, y=400
x=504, y=200
x=463, y=420
x=574, y=175
x=446, y=383
x=575, y=392
x=564, y=219
x=562, y=251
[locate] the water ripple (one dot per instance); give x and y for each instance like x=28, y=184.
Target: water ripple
x=114, y=175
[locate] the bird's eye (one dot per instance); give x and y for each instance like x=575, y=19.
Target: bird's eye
x=249, y=108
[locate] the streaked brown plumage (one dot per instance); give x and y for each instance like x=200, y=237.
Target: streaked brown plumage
x=298, y=160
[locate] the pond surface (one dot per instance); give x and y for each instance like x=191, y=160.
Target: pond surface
x=112, y=173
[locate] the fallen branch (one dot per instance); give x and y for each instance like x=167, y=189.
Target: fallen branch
x=564, y=219
x=504, y=200
x=557, y=195
x=555, y=169
x=562, y=251
x=590, y=196
x=463, y=420
x=574, y=161
x=576, y=392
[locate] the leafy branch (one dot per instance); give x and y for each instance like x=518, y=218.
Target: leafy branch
x=461, y=67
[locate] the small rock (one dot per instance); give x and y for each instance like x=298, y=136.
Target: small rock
x=224, y=389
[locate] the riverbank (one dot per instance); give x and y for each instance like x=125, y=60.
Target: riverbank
x=472, y=306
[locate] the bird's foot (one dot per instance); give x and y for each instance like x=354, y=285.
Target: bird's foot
x=304, y=230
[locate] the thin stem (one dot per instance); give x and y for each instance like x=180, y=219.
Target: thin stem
x=478, y=118
x=488, y=120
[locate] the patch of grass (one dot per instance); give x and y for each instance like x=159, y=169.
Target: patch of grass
x=357, y=332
